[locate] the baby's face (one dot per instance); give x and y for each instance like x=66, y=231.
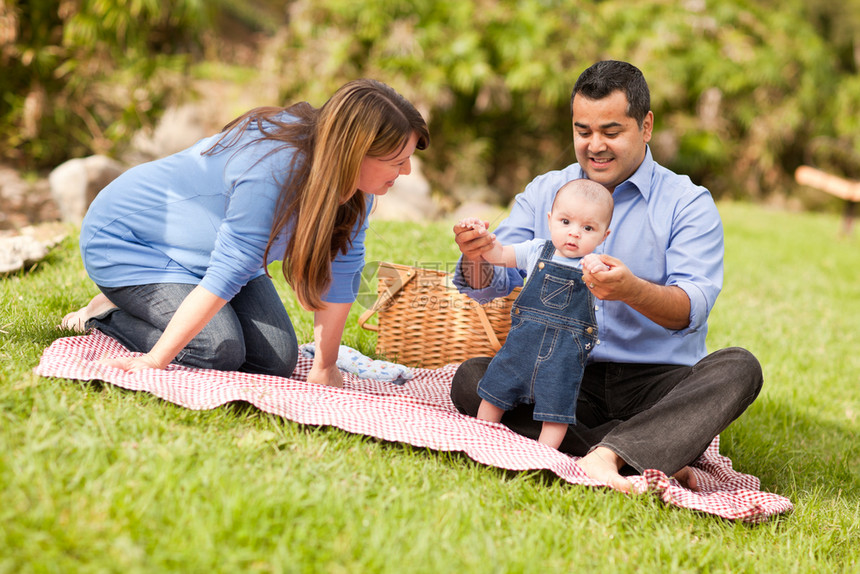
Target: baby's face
x=577, y=226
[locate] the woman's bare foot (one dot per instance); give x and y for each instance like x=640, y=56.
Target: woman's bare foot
x=687, y=478
x=76, y=320
x=603, y=465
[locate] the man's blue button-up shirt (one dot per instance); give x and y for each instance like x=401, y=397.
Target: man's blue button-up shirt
x=664, y=228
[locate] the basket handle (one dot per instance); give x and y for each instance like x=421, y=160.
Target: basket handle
x=404, y=276
x=488, y=328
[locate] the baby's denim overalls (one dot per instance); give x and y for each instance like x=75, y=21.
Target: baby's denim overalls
x=552, y=331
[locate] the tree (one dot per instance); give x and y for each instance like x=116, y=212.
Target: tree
x=736, y=87
x=743, y=90
x=80, y=77
x=493, y=77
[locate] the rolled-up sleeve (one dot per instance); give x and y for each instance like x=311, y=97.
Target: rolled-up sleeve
x=502, y=283
x=694, y=260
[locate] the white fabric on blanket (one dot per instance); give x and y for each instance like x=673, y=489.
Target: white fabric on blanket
x=418, y=412
x=351, y=361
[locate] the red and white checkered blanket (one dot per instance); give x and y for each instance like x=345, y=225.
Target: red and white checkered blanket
x=419, y=413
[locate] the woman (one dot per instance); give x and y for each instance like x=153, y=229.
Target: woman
x=179, y=247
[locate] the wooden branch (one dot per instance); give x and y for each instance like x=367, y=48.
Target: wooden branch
x=834, y=185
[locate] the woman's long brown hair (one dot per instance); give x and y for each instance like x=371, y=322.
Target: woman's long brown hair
x=318, y=197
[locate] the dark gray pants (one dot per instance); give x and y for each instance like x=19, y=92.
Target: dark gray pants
x=652, y=416
x=252, y=333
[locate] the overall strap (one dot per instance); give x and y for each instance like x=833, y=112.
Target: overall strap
x=548, y=250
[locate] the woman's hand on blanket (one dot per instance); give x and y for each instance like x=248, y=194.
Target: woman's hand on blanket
x=132, y=364
x=329, y=376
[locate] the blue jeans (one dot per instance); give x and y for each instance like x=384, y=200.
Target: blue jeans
x=653, y=416
x=251, y=333
x=552, y=331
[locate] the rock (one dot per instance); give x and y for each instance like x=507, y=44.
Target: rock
x=30, y=245
x=48, y=234
x=75, y=183
x=179, y=128
x=473, y=193
x=24, y=201
x=19, y=251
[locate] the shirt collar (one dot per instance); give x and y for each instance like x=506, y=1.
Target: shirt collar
x=641, y=178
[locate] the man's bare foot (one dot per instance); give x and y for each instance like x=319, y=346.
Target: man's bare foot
x=687, y=478
x=76, y=320
x=603, y=465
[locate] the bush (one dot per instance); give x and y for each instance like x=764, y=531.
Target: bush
x=743, y=92
x=736, y=86
x=81, y=77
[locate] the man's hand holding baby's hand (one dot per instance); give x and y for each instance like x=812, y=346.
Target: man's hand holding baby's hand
x=472, y=238
x=473, y=223
x=593, y=264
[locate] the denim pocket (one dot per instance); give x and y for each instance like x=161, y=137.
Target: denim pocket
x=516, y=323
x=556, y=293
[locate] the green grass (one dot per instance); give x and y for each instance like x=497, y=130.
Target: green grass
x=94, y=478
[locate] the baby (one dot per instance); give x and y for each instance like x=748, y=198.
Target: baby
x=553, y=327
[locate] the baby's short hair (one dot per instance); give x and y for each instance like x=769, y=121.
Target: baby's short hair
x=590, y=191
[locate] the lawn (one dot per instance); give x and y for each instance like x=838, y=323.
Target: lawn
x=94, y=478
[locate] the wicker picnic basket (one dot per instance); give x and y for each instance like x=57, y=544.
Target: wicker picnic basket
x=425, y=322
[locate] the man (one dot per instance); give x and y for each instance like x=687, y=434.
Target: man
x=651, y=396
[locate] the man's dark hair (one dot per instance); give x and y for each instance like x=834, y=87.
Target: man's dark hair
x=603, y=78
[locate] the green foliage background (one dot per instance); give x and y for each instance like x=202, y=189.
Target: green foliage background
x=743, y=92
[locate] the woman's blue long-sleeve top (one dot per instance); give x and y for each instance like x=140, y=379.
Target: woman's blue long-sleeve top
x=200, y=219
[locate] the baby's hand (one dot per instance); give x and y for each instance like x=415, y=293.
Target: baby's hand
x=593, y=264
x=472, y=223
